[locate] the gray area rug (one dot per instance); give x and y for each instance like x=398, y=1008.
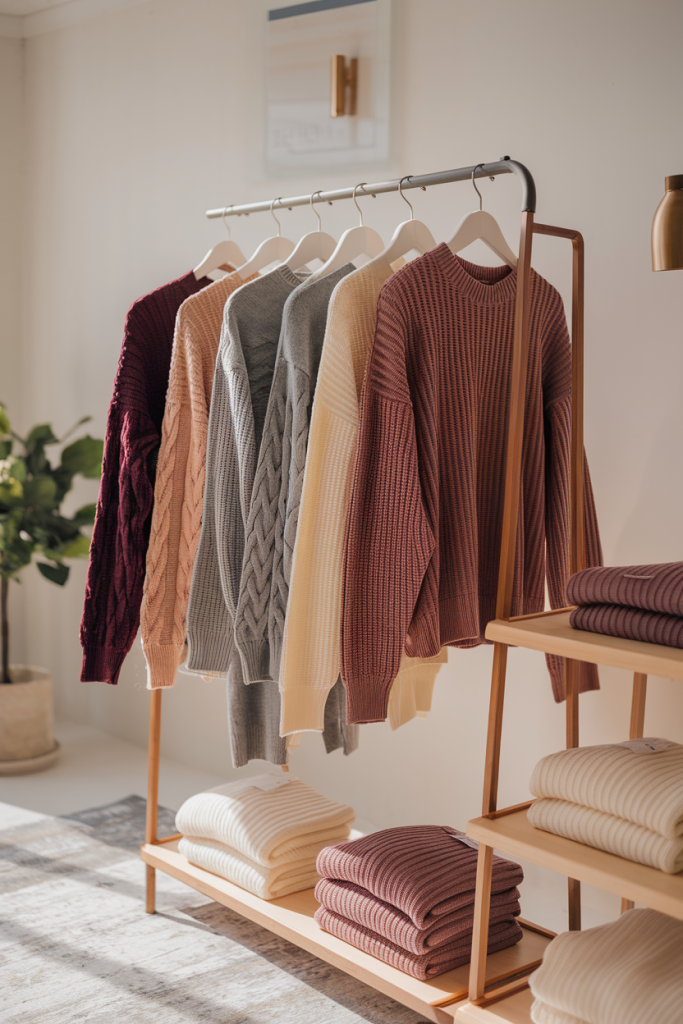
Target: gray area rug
x=76, y=944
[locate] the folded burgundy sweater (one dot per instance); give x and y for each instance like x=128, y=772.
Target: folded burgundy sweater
x=654, y=588
x=357, y=904
x=629, y=623
x=425, y=871
x=428, y=965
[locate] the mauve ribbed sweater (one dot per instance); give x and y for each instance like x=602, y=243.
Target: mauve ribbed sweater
x=424, y=527
x=116, y=572
x=653, y=587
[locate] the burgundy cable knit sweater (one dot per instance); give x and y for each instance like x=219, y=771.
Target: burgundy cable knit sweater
x=424, y=526
x=113, y=590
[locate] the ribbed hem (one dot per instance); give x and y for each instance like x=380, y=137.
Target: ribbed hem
x=162, y=664
x=209, y=652
x=255, y=656
x=367, y=699
x=303, y=709
x=101, y=665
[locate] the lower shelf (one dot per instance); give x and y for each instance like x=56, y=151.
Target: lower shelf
x=291, y=917
x=515, y=1009
x=512, y=833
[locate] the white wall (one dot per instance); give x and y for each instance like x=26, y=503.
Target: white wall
x=136, y=124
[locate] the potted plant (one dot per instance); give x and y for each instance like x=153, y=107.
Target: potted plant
x=31, y=494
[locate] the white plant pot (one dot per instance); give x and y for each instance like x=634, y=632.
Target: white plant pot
x=27, y=729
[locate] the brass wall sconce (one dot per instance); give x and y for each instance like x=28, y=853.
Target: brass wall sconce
x=344, y=78
x=667, y=227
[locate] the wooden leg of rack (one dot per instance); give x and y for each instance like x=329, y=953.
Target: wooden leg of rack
x=626, y=905
x=574, y=899
x=572, y=709
x=152, y=791
x=638, y=706
x=495, y=728
x=480, y=937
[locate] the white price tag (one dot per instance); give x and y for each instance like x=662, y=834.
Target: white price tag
x=648, y=745
x=460, y=837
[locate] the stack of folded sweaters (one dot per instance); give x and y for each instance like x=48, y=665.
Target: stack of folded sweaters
x=406, y=896
x=263, y=833
x=637, y=602
x=626, y=972
x=625, y=798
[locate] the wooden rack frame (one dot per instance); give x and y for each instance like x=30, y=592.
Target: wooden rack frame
x=291, y=916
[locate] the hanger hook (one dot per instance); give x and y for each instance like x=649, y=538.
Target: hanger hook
x=400, y=192
x=225, y=223
x=272, y=204
x=491, y=178
x=313, y=195
x=355, y=187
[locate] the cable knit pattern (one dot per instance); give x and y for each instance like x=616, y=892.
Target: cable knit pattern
x=268, y=883
x=423, y=535
x=311, y=655
x=627, y=972
x=116, y=570
x=179, y=488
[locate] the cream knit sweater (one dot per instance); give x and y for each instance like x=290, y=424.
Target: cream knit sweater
x=268, y=883
x=311, y=649
x=179, y=487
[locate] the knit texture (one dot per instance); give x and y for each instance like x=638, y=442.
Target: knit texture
x=179, y=487
x=274, y=512
x=629, y=623
x=116, y=570
x=424, y=871
x=607, y=832
x=645, y=788
x=541, y=1013
x=268, y=883
x=626, y=972
x=269, y=827
x=357, y=904
x=311, y=656
x=428, y=965
x=423, y=536
x=654, y=588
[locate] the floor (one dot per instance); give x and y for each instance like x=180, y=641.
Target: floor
x=95, y=769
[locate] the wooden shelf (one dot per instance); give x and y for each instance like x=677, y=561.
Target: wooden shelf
x=550, y=632
x=515, y=1009
x=292, y=918
x=512, y=833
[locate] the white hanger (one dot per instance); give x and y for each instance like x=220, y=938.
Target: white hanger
x=226, y=255
x=411, y=234
x=316, y=245
x=481, y=225
x=354, y=242
x=272, y=249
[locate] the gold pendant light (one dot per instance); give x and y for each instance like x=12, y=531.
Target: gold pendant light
x=667, y=227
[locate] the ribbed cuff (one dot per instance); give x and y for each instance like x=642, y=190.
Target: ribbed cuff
x=302, y=709
x=209, y=652
x=162, y=664
x=102, y=665
x=367, y=699
x=255, y=655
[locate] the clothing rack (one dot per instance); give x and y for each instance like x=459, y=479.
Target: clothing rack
x=440, y=999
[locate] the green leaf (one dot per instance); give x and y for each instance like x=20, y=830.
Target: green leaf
x=85, y=516
x=79, y=547
x=84, y=456
x=17, y=469
x=11, y=493
x=41, y=491
x=5, y=448
x=58, y=574
x=40, y=436
x=4, y=421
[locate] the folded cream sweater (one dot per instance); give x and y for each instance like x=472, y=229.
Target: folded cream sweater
x=271, y=826
x=268, y=883
x=627, y=972
x=607, y=832
x=625, y=780
x=541, y=1013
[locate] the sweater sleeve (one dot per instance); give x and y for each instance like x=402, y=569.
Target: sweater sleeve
x=389, y=541
x=176, y=520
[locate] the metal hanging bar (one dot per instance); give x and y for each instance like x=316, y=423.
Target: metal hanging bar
x=503, y=166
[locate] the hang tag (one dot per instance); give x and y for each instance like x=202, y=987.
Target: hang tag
x=262, y=782
x=460, y=837
x=648, y=745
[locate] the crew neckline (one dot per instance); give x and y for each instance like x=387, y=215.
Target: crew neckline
x=485, y=285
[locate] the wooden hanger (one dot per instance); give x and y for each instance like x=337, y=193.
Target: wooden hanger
x=226, y=255
x=411, y=234
x=480, y=225
x=316, y=245
x=355, y=242
x=272, y=249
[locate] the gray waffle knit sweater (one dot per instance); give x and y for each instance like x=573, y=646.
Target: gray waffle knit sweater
x=274, y=514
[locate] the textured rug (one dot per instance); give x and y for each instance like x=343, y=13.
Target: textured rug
x=76, y=944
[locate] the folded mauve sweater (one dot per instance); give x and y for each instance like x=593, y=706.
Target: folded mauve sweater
x=629, y=623
x=428, y=965
x=425, y=871
x=357, y=904
x=627, y=972
x=654, y=588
